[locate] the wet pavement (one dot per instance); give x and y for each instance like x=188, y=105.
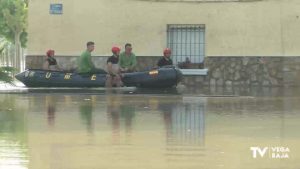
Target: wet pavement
x=150, y=129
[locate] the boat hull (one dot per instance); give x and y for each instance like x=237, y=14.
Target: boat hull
x=159, y=78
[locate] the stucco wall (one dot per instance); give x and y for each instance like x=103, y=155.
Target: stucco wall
x=258, y=28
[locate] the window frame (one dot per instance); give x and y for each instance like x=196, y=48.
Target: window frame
x=180, y=28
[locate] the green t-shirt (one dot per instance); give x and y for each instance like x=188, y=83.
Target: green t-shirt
x=85, y=64
x=127, y=61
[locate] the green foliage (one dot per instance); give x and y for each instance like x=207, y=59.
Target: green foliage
x=6, y=74
x=13, y=20
x=4, y=45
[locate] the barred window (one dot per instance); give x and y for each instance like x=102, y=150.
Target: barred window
x=186, y=41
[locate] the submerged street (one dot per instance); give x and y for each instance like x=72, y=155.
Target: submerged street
x=120, y=128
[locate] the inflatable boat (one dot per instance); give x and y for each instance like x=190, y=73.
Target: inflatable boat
x=156, y=78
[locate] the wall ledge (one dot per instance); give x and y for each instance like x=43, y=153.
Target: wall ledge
x=199, y=72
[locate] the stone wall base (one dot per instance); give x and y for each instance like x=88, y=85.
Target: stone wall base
x=253, y=71
x=222, y=71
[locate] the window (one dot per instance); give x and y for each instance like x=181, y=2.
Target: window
x=186, y=41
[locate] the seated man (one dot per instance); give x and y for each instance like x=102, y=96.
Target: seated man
x=85, y=64
x=113, y=77
x=50, y=63
x=127, y=59
x=165, y=60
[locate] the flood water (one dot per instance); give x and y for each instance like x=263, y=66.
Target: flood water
x=127, y=130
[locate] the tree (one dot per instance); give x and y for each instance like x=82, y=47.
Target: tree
x=6, y=74
x=13, y=24
x=4, y=45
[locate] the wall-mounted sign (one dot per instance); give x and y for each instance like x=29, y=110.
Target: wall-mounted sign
x=56, y=9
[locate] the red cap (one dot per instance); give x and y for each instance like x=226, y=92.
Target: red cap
x=49, y=52
x=115, y=49
x=167, y=50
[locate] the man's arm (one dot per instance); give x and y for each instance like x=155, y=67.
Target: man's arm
x=159, y=63
x=133, y=62
x=109, y=68
x=46, y=65
x=91, y=62
x=121, y=62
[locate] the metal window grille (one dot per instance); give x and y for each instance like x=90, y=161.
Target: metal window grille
x=186, y=41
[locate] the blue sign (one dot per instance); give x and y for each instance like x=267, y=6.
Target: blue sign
x=56, y=9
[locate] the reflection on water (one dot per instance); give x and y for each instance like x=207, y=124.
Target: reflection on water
x=13, y=145
x=86, y=113
x=50, y=110
x=133, y=131
x=184, y=123
x=121, y=114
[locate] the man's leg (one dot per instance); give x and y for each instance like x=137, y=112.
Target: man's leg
x=109, y=80
x=117, y=81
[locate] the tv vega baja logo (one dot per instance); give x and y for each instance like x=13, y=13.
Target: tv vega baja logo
x=271, y=152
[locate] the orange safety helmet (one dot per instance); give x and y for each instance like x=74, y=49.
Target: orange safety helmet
x=49, y=52
x=167, y=50
x=115, y=49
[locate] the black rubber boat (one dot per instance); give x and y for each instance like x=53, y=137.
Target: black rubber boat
x=158, y=78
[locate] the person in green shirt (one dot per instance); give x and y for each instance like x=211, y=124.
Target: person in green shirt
x=127, y=60
x=85, y=64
